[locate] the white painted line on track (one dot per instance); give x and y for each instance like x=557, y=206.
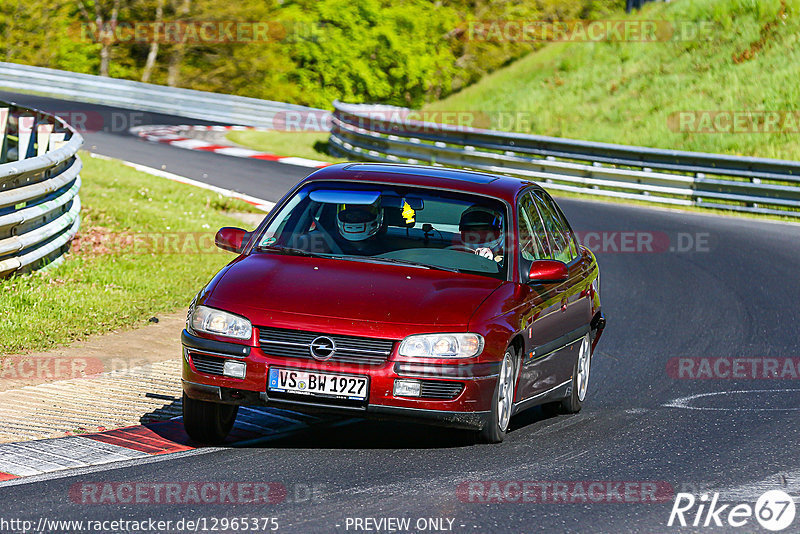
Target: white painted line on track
x=685, y=402
x=259, y=203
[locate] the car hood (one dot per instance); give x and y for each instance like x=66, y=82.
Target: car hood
x=283, y=290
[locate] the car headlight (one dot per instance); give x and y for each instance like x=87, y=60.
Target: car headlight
x=442, y=345
x=221, y=323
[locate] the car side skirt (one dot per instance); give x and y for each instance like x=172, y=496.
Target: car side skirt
x=555, y=393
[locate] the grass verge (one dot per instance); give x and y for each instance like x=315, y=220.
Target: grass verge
x=742, y=57
x=145, y=247
x=729, y=56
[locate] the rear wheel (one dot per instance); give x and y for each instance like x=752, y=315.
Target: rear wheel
x=580, y=377
x=208, y=422
x=496, y=425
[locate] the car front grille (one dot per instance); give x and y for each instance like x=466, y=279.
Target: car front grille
x=349, y=349
x=208, y=364
x=439, y=389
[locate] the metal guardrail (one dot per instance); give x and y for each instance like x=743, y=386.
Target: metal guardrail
x=39, y=183
x=127, y=94
x=755, y=185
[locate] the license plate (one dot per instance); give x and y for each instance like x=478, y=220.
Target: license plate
x=318, y=384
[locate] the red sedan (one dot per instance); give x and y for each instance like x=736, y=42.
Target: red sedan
x=396, y=291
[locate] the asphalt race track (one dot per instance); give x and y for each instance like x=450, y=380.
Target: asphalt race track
x=734, y=292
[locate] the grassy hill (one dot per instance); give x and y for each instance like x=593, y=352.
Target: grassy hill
x=746, y=57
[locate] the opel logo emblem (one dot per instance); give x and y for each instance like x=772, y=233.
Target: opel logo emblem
x=322, y=348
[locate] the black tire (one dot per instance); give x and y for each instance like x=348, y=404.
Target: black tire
x=208, y=422
x=494, y=430
x=574, y=402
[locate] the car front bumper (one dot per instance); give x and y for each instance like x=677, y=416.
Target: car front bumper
x=467, y=409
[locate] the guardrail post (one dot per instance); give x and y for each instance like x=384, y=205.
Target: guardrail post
x=3, y=135
x=43, y=131
x=24, y=135
x=57, y=140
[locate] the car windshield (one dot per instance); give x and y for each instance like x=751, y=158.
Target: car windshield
x=425, y=228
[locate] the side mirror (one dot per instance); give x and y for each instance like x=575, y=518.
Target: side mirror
x=548, y=272
x=231, y=239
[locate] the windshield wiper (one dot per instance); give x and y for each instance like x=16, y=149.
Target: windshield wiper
x=378, y=259
x=288, y=250
x=352, y=257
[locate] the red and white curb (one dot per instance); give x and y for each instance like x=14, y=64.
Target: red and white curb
x=172, y=135
x=57, y=455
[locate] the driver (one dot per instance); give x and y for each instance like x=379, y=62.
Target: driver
x=359, y=224
x=482, y=232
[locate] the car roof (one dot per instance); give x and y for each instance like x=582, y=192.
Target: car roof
x=495, y=185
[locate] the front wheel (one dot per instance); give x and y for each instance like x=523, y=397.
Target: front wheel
x=208, y=422
x=580, y=378
x=494, y=430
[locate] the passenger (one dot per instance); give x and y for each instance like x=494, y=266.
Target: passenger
x=482, y=232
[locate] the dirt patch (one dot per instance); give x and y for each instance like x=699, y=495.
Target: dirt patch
x=766, y=33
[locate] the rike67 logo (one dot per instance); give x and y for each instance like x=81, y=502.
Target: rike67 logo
x=774, y=511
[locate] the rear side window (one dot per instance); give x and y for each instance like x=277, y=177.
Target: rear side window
x=573, y=248
x=562, y=245
x=532, y=237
